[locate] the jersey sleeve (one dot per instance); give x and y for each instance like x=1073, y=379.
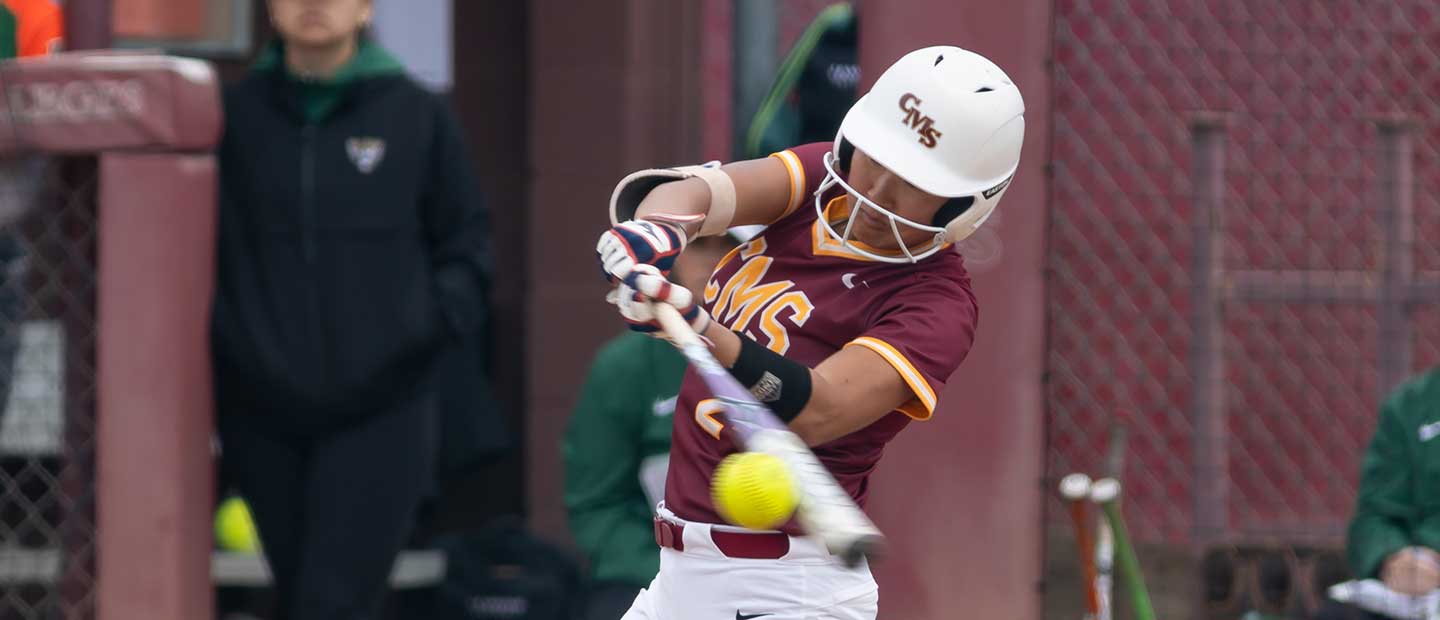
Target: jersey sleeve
x=924, y=334
x=806, y=166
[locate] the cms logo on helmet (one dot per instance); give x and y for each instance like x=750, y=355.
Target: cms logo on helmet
x=922, y=124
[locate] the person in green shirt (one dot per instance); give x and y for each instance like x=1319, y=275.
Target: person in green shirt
x=1395, y=531
x=617, y=447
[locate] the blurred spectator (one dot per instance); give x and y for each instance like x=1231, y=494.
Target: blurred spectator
x=617, y=447
x=814, y=87
x=352, y=256
x=1395, y=531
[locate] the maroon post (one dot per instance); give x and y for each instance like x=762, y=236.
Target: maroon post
x=87, y=24
x=156, y=276
x=153, y=120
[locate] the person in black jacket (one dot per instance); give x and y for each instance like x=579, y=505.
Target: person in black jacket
x=352, y=254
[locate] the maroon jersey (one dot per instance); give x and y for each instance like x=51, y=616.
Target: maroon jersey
x=804, y=295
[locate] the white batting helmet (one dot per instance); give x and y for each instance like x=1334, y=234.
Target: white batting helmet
x=946, y=120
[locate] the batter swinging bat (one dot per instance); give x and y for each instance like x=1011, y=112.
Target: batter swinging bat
x=825, y=510
x=1075, y=489
x=1106, y=492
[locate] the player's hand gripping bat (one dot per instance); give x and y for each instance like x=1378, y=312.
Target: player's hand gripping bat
x=826, y=510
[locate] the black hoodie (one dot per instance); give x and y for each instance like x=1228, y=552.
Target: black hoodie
x=353, y=246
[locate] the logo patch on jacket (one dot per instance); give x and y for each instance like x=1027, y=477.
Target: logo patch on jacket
x=365, y=153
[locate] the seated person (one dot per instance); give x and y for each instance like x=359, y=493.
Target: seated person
x=1395, y=532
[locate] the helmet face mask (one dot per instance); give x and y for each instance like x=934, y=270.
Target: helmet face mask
x=950, y=123
x=860, y=201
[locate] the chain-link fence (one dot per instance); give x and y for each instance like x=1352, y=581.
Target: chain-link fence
x=1303, y=97
x=47, y=380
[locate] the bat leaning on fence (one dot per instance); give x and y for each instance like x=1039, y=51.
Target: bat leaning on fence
x=826, y=510
x=1075, y=489
x=1104, y=584
x=1106, y=493
x=1104, y=537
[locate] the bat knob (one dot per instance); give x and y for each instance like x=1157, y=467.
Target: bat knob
x=866, y=547
x=1105, y=490
x=1075, y=486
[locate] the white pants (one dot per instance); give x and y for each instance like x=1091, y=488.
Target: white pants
x=701, y=583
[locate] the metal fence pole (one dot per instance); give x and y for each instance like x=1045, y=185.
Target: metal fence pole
x=1397, y=222
x=1211, y=480
x=757, y=32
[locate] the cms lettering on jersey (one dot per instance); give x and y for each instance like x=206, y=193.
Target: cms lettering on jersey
x=922, y=124
x=746, y=303
x=77, y=101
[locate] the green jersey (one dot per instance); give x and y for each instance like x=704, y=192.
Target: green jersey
x=1399, y=496
x=616, y=453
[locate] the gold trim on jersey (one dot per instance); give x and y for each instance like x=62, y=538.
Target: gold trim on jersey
x=705, y=412
x=797, y=181
x=822, y=244
x=923, y=406
x=915, y=410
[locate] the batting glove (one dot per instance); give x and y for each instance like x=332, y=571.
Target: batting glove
x=639, y=242
x=634, y=302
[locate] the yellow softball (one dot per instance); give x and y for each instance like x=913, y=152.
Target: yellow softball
x=754, y=490
x=235, y=528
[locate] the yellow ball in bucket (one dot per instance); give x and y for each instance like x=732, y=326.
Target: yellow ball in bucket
x=754, y=490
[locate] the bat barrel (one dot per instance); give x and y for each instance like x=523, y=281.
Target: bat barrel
x=1075, y=489
x=826, y=509
x=1125, y=558
x=869, y=548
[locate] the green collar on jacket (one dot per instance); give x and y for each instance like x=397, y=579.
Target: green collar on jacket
x=319, y=98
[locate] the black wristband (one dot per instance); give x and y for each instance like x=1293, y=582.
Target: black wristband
x=781, y=384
